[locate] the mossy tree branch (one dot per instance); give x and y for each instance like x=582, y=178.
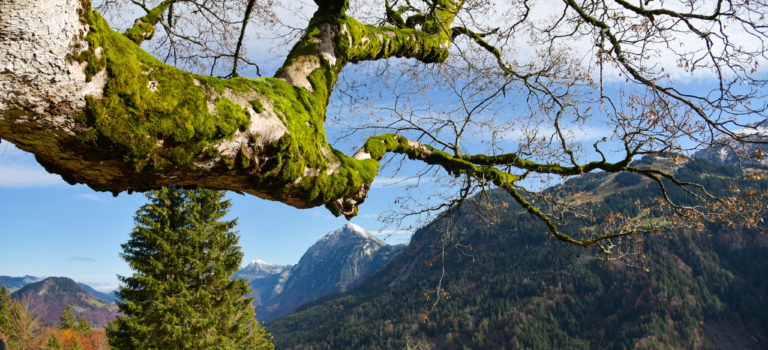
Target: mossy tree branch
x=112, y=116
x=134, y=123
x=144, y=27
x=485, y=168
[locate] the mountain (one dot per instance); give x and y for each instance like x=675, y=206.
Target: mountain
x=13, y=284
x=265, y=279
x=260, y=269
x=108, y=296
x=753, y=154
x=335, y=263
x=509, y=284
x=49, y=297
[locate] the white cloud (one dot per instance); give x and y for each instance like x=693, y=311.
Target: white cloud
x=93, y=197
x=368, y=216
x=102, y=286
x=386, y=182
x=392, y=232
x=18, y=169
x=572, y=134
x=394, y=236
x=23, y=176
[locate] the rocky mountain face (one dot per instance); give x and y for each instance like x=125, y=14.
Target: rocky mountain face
x=49, y=297
x=266, y=280
x=519, y=288
x=337, y=262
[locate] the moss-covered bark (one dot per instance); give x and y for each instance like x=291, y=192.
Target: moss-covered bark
x=97, y=109
x=149, y=124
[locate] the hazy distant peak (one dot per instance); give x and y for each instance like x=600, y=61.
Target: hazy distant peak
x=259, y=262
x=258, y=269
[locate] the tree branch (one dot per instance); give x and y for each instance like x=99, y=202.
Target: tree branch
x=144, y=27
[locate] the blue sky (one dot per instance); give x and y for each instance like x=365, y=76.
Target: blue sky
x=50, y=228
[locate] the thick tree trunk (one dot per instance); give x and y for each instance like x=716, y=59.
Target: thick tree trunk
x=96, y=109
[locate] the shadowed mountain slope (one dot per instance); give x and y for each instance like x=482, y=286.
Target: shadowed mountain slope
x=517, y=287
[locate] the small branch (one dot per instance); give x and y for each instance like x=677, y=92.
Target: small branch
x=144, y=27
x=243, y=26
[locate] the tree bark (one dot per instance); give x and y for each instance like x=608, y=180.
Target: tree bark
x=96, y=109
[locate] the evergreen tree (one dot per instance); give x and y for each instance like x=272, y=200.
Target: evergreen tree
x=21, y=325
x=53, y=343
x=67, y=319
x=181, y=295
x=75, y=345
x=83, y=326
x=5, y=305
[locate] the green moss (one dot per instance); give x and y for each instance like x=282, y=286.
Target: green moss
x=140, y=32
x=400, y=42
x=377, y=146
x=257, y=106
x=245, y=161
x=144, y=28
x=352, y=175
x=239, y=84
x=157, y=115
x=95, y=63
x=233, y=116
x=303, y=114
x=169, y=123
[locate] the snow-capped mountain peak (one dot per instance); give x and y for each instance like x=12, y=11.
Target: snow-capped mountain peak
x=261, y=263
x=259, y=268
x=345, y=233
x=359, y=230
x=338, y=261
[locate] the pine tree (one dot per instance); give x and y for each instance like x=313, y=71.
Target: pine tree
x=75, y=345
x=181, y=295
x=53, y=343
x=67, y=319
x=21, y=325
x=5, y=310
x=83, y=326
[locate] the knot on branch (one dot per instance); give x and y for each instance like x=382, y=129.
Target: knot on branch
x=140, y=31
x=347, y=206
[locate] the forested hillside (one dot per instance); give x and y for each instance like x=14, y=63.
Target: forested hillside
x=49, y=297
x=516, y=287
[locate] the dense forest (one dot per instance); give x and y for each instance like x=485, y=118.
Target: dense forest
x=508, y=284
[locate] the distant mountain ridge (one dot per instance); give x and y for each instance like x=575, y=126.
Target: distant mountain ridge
x=260, y=269
x=108, y=296
x=519, y=288
x=49, y=297
x=335, y=263
x=751, y=151
x=13, y=284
